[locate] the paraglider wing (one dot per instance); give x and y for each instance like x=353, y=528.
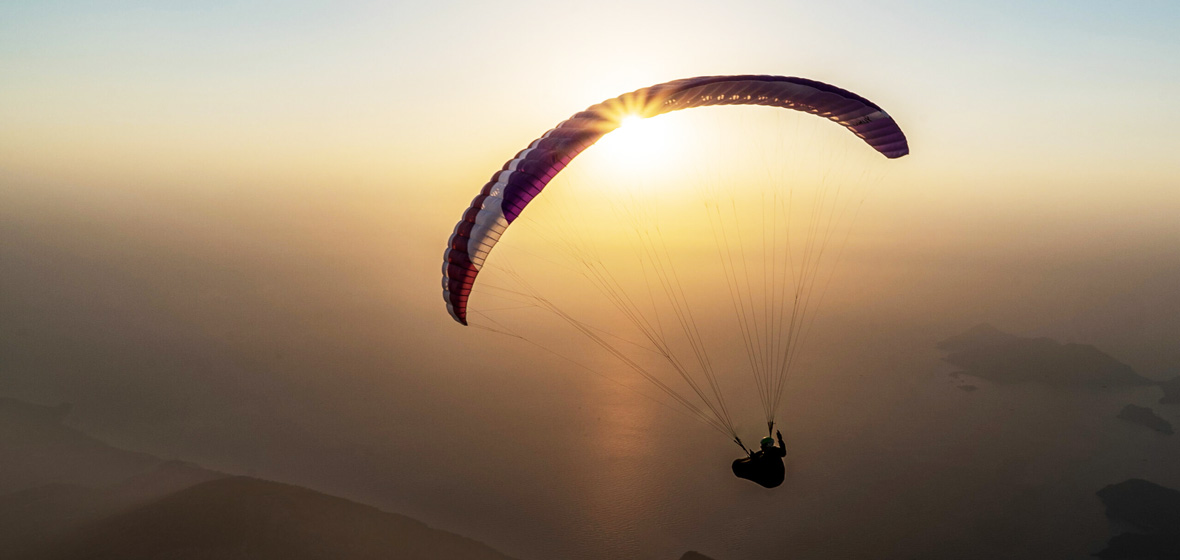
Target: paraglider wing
x=523, y=177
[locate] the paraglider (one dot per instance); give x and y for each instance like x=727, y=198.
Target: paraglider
x=765, y=466
x=771, y=333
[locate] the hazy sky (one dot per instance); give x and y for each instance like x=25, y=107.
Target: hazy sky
x=221, y=224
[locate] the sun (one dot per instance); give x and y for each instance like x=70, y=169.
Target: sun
x=630, y=121
x=638, y=145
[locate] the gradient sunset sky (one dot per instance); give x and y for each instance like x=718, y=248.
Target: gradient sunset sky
x=1059, y=112
x=1076, y=93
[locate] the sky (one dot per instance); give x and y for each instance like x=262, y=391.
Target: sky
x=221, y=227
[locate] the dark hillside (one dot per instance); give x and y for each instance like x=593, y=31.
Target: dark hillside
x=988, y=353
x=36, y=449
x=241, y=517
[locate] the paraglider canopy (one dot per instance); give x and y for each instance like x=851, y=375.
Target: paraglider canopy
x=523, y=177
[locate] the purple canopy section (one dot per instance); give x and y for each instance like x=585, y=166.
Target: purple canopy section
x=523, y=177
